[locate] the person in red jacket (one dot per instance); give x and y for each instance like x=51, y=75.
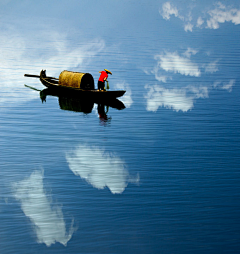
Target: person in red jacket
x=103, y=77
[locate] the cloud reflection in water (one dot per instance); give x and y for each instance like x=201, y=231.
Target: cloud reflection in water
x=179, y=96
x=99, y=168
x=218, y=13
x=18, y=56
x=127, y=97
x=48, y=221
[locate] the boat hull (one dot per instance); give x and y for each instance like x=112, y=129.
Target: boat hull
x=52, y=84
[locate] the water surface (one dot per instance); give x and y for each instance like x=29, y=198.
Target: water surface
x=158, y=176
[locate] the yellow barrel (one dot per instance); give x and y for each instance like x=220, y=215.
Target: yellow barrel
x=76, y=80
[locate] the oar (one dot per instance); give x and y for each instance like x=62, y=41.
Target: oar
x=37, y=76
x=33, y=88
x=31, y=76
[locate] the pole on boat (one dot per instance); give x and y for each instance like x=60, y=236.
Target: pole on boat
x=33, y=88
x=31, y=76
x=37, y=76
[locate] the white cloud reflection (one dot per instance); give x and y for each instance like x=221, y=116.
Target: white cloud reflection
x=175, y=63
x=212, y=67
x=180, y=97
x=18, y=56
x=99, y=168
x=224, y=85
x=169, y=9
x=48, y=221
x=173, y=98
x=211, y=19
x=200, y=21
x=188, y=27
x=222, y=14
x=127, y=97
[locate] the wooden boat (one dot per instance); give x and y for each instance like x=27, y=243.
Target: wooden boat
x=53, y=84
x=74, y=103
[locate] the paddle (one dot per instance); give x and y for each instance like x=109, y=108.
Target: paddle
x=37, y=76
x=31, y=76
x=43, y=96
x=32, y=88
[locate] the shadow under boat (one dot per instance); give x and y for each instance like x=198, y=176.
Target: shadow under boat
x=81, y=104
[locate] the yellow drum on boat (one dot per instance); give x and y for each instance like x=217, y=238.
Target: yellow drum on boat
x=84, y=81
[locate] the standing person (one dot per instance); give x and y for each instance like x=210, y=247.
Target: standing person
x=103, y=77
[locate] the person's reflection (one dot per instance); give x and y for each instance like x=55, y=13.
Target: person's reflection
x=104, y=119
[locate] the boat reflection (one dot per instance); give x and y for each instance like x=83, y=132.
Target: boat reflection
x=84, y=105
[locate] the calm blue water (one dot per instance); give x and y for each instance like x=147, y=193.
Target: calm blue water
x=160, y=175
